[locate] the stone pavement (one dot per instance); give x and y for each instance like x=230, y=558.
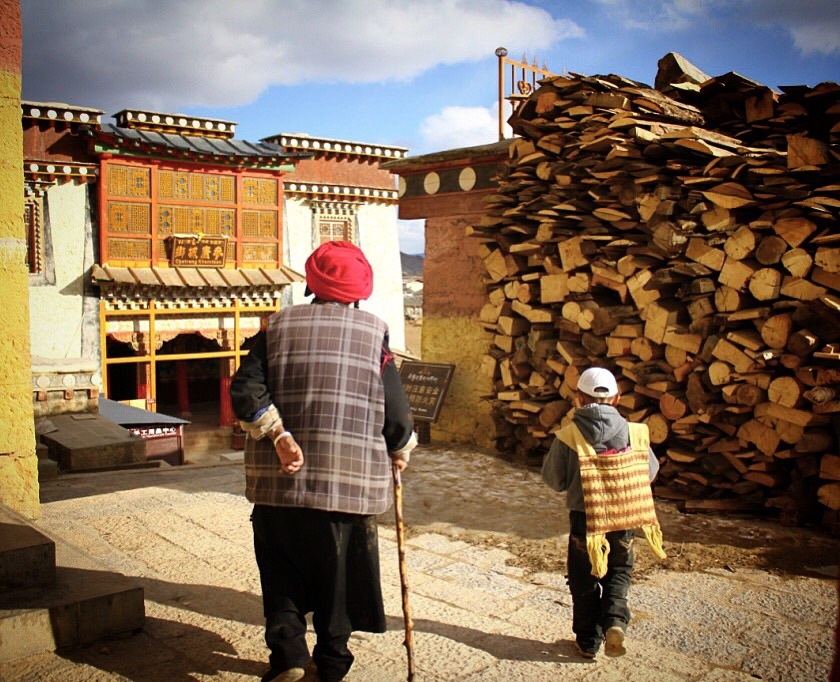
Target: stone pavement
x=478, y=617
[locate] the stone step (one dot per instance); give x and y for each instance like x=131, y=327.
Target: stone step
x=83, y=604
x=206, y=439
x=27, y=556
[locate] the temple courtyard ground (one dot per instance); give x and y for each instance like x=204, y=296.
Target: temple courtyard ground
x=738, y=598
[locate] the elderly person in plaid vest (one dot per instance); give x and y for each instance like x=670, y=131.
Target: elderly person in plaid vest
x=605, y=465
x=326, y=415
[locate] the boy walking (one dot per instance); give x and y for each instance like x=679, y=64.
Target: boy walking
x=605, y=465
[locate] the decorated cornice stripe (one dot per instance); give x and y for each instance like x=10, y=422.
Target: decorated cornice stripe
x=326, y=145
x=59, y=112
x=339, y=192
x=178, y=124
x=448, y=181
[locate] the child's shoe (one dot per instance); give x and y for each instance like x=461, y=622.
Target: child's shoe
x=615, y=642
x=588, y=650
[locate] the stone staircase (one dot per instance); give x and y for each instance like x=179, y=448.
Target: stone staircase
x=53, y=596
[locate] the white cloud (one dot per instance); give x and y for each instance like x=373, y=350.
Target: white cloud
x=456, y=127
x=412, y=236
x=659, y=15
x=817, y=38
x=813, y=25
x=215, y=53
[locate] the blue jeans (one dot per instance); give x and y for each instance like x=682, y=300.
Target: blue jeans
x=598, y=603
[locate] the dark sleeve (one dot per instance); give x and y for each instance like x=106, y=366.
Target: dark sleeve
x=249, y=387
x=555, y=466
x=399, y=424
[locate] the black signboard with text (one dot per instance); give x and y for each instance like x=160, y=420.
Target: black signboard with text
x=425, y=385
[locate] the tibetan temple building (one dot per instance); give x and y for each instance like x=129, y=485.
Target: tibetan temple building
x=158, y=244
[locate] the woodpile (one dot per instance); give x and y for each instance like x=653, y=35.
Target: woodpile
x=687, y=239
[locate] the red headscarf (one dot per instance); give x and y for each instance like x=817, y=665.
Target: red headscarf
x=338, y=271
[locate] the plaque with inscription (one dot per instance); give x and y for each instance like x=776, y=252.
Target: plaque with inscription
x=425, y=386
x=197, y=251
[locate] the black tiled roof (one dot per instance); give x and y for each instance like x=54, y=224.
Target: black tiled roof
x=227, y=149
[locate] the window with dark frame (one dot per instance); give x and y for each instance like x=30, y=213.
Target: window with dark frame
x=334, y=228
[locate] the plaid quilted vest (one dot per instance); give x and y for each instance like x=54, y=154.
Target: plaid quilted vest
x=324, y=377
x=616, y=492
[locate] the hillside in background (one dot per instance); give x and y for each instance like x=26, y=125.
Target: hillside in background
x=412, y=266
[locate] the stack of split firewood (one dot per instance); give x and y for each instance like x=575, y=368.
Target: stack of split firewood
x=687, y=238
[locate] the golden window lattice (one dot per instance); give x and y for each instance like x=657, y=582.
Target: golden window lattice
x=184, y=220
x=228, y=189
x=135, y=218
x=211, y=188
x=259, y=224
x=166, y=220
x=211, y=222
x=129, y=249
x=33, y=219
x=196, y=220
x=196, y=186
x=259, y=253
x=268, y=192
x=227, y=222
x=182, y=182
x=250, y=190
x=118, y=180
x=125, y=181
x=166, y=185
x=259, y=191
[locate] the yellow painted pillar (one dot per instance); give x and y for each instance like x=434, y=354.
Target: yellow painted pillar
x=18, y=461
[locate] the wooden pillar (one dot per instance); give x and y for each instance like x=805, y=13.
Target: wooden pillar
x=144, y=384
x=183, y=389
x=226, y=370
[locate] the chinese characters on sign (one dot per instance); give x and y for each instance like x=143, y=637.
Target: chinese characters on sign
x=425, y=386
x=155, y=431
x=197, y=251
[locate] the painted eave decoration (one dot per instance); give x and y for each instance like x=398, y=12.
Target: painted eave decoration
x=201, y=278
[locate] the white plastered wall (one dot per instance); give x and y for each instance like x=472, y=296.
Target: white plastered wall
x=376, y=226
x=56, y=310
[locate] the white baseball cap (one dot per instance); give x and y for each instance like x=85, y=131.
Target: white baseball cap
x=598, y=383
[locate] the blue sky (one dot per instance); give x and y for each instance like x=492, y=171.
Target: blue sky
x=421, y=75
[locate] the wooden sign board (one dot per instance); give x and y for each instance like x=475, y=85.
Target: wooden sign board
x=198, y=251
x=425, y=385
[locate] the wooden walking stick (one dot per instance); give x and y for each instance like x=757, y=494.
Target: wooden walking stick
x=409, y=634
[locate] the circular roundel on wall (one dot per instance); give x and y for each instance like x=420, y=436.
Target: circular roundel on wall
x=466, y=179
x=431, y=183
x=402, y=186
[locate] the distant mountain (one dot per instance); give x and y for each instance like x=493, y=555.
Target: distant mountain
x=412, y=266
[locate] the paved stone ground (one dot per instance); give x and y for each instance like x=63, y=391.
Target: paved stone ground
x=483, y=610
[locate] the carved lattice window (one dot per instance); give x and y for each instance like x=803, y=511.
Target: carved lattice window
x=124, y=181
x=134, y=218
x=332, y=228
x=259, y=191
